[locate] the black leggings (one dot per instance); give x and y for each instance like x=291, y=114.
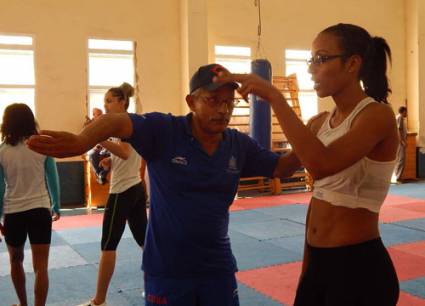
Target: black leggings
x=130, y=206
x=355, y=275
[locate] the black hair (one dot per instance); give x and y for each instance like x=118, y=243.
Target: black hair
x=18, y=124
x=124, y=92
x=402, y=109
x=355, y=40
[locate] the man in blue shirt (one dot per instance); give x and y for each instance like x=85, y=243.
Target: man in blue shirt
x=194, y=164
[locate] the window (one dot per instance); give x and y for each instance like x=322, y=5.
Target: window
x=17, y=80
x=236, y=60
x=111, y=62
x=296, y=62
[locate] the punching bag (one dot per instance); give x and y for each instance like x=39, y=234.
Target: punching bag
x=260, y=116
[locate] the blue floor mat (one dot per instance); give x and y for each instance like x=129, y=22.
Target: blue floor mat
x=293, y=244
x=417, y=224
x=414, y=287
x=412, y=189
x=392, y=233
x=128, y=275
x=86, y=235
x=295, y=213
x=249, y=216
x=269, y=229
x=250, y=297
x=62, y=256
x=251, y=253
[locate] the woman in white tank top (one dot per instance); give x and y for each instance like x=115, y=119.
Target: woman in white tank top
x=127, y=196
x=351, y=154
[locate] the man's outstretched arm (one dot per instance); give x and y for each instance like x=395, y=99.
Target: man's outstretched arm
x=64, y=144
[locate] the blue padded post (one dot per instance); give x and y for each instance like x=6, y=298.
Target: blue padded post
x=260, y=116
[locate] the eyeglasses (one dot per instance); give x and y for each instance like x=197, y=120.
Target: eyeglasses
x=215, y=102
x=320, y=59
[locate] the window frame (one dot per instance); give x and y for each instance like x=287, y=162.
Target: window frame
x=31, y=87
x=104, y=88
x=243, y=108
x=302, y=91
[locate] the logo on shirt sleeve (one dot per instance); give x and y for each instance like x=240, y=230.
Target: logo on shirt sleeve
x=233, y=165
x=179, y=160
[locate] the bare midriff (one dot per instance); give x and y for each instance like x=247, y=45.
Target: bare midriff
x=334, y=226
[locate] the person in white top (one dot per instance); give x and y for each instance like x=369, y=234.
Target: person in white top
x=29, y=199
x=127, y=196
x=351, y=154
x=401, y=153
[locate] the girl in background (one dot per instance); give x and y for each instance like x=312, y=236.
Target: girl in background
x=29, y=200
x=127, y=196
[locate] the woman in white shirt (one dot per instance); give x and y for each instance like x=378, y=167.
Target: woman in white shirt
x=127, y=196
x=29, y=199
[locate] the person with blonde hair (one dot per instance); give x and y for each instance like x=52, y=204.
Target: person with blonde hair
x=127, y=196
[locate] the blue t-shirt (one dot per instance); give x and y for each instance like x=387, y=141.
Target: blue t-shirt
x=190, y=194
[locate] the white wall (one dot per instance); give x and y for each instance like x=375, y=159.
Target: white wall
x=167, y=51
x=415, y=67
x=288, y=24
x=61, y=29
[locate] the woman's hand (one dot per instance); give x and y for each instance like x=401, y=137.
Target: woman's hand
x=105, y=163
x=55, y=216
x=250, y=84
x=87, y=121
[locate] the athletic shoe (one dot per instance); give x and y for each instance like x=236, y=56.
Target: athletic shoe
x=91, y=303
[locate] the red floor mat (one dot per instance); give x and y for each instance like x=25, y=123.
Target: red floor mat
x=93, y=220
x=415, y=206
x=408, y=266
x=277, y=282
x=397, y=213
x=270, y=201
x=409, y=300
x=414, y=248
x=397, y=200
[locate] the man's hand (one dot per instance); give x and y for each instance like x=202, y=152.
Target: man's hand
x=58, y=144
x=64, y=144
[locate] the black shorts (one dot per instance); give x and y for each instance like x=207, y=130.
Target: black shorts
x=130, y=206
x=36, y=223
x=356, y=275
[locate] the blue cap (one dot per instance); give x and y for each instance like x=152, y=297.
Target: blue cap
x=203, y=78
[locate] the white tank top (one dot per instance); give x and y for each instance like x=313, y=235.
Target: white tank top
x=364, y=184
x=124, y=173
